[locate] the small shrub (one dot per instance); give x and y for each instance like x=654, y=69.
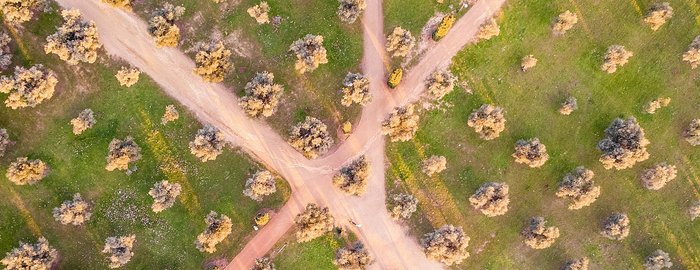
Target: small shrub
x=352, y=179
x=260, y=12
x=616, y=56
x=447, y=245
x=488, y=30
x=656, y=177
x=658, y=14
x=164, y=194
x=433, y=165
x=616, y=226
x=538, y=236
x=74, y=212
x=261, y=184
x=402, y=124
x=84, y=121
x=400, y=42
x=218, y=228
x=121, y=153
x=563, y=23
x=128, y=76
x=528, y=62
x=488, y=121
x=310, y=53
x=313, y=222
x=491, y=199
x=171, y=114
x=658, y=260
x=208, y=143
x=568, y=106
x=119, y=250
x=692, y=133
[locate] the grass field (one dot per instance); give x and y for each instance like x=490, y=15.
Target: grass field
x=567, y=65
x=121, y=204
x=413, y=14
x=316, y=254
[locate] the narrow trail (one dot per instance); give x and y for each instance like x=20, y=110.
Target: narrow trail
x=124, y=35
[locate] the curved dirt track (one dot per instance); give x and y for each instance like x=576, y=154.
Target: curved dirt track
x=124, y=35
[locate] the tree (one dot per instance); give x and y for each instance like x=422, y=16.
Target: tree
x=694, y=210
x=402, y=124
x=5, y=141
x=447, y=245
x=128, y=76
x=311, y=138
x=488, y=121
x=119, y=250
x=218, y=228
x=355, y=90
x=164, y=194
x=84, y=121
x=262, y=95
x=16, y=12
x=528, y=62
x=433, y=165
x=658, y=14
x=24, y=171
x=488, y=30
x=263, y=263
x=568, y=106
x=563, y=23
x=440, y=83
x=355, y=257
x=692, y=55
x=125, y=4
x=213, y=62
x=656, y=104
x=658, y=260
x=350, y=10
x=616, y=56
x=5, y=52
x=162, y=26
x=171, y=114
x=260, y=12
x=656, y=177
x=261, y=184
x=313, y=223
x=491, y=199
x=28, y=87
x=310, y=53
x=352, y=179
x=75, y=41
x=37, y=256
x=404, y=206
x=208, y=143
x=531, y=153
x=616, y=226
x=577, y=264
x=121, y=153
x=692, y=133
x=74, y=212
x=578, y=186
x=444, y=27
x=400, y=42
x=538, y=236
x=624, y=144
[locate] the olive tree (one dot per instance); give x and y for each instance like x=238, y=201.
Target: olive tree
x=74, y=212
x=261, y=184
x=402, y=124
x=313, y=222
x=624, y=144
x=26, y=171
x=355, y=257
x=310, y=53
x=692, y=133
x=262, y=95
x=537, y=235
x=28, y=87
x=263, y=263
x=692, y=55
x=125, y=4
x=352, y=179
x=16, y=12
x=400, y=42
x=656, y=104
x=491, y=199
x=564, y=22
x=213, y=62
x=488, y=30
x=568, y=106
x=404, y=205
x=616, y=226
x=355, y=90
x=171, y=114
x=440, y=83
x=5, y=52
x=164, y=194
x=577, y=264
x=447, y=245
x=531, y=153
x=658, y=14
x=528, y=62
x=208, y=143
x=5, y=141
x=260, y=12
x=37, y=256
x=311, y=138
x=75, y=41
x=658, y=260
x=119, y=250
x=488, y=121
x=433, y=165
x=128, y=76
x=350, y=10
x=656, y=177
x=121, y=153
x=84, y=121
x=694, y=210
x=218, y=228
x=578, y=186
x=616, y=56
x=162, y=26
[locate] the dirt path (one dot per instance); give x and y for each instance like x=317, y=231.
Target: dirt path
x=124, y=35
